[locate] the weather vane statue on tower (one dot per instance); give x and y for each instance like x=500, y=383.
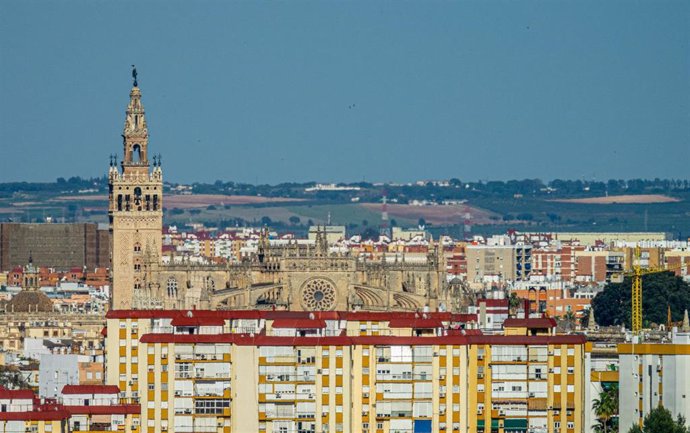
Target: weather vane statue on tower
x=134, y=75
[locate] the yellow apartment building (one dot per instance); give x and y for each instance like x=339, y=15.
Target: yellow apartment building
x=298, y=372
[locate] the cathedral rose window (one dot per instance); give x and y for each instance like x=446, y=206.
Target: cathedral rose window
x=318, y=294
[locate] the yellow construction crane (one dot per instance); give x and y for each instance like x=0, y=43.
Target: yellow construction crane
x=637, y=273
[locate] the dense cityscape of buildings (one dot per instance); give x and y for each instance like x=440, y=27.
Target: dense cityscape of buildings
x=202, y=329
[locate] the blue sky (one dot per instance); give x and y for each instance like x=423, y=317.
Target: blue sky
x=343, y=91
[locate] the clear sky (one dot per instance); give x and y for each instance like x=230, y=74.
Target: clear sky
x=343, y=91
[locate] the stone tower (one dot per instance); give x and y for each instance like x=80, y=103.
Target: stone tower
x=135, y=210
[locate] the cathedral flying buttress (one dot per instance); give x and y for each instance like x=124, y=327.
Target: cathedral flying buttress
x=287, y=277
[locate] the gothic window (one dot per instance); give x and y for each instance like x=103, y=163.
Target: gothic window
x=137, y=247
x=155, y=202
x=172, y=287
x=210, y=284
x=137, y=284
x=119, y=202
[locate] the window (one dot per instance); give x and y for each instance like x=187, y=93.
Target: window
x=172, y=287
x=214, y=406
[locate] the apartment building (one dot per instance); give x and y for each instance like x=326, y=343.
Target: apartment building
x=82, y=408
x=598, y=265
x=285, y=372
x=487, y=263
x=556, y=262
x=22, y=411
x=97, y=408
x=653, y=374
x=554, y=299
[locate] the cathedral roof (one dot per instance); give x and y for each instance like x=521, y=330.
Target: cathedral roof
x=29, y=301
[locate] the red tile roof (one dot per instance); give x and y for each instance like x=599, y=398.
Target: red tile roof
x=56, y=414
x=264, y=340
x=90, y=389
x=9, y=394
x=531, y=323
x=382, y=316
x=494, y=302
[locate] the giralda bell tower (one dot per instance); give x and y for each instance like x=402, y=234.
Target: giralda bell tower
x=135, y=210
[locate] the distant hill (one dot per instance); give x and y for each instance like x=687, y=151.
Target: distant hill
x=442, y=205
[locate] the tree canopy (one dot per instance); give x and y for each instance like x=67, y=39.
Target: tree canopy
x=659, y=291
x=660, y=420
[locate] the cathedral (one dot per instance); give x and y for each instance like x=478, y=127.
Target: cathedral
x=286, y=278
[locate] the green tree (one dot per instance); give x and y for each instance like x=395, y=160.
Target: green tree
x=606, y=410
x=660, y=420
x=612, y=306
x=370, y=233
x=11, y=377
x=514, y=303
x=294, y=219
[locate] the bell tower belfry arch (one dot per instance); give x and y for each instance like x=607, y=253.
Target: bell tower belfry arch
x=135, y=208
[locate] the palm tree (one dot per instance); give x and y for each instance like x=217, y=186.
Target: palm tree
x=606, y=408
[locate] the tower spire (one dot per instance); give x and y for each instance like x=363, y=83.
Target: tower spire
x=135, y=135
